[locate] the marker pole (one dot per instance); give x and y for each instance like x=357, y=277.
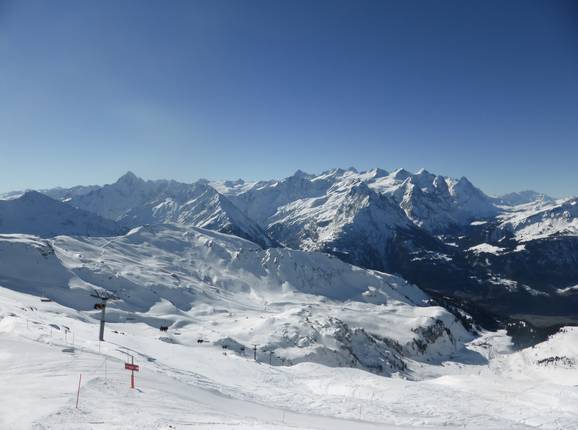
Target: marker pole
x=132, y=373
x=78, y=391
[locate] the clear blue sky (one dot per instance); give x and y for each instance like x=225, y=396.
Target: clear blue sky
x=257, y=89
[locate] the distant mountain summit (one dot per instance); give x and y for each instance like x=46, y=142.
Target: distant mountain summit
x=523, y=197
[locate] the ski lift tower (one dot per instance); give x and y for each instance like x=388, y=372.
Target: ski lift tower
x=104, y=297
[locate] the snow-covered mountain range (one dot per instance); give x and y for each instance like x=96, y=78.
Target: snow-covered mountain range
x=132, y=201
x=429, y=201
x=443, y=234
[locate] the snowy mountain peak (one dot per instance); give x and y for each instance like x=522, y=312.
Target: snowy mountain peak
x=464, y=183
x=337, y=172
x=424, y=180
x=400, y=174
x=300, y=174
x=466, y=187
x=377, y=173
x=34, y=196
x=423, y=172
x=129, y=178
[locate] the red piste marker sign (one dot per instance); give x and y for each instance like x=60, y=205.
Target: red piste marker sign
x=133, y=368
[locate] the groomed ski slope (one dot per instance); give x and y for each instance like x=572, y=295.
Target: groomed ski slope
x=206, y=387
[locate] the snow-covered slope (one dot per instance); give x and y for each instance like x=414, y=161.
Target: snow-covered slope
x=133, y=201
x=46, y=347
x=552, y=361
x=297, y=305
x=35, y=213
x=541, y=220
x=200, y=206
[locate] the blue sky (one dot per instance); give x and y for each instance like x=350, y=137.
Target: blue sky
x=258, y=89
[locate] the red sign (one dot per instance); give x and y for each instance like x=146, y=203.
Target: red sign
x=129, y=366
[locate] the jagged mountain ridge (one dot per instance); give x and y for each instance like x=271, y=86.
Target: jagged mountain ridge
x=358, y=215
x=432, y=202
x=133, y=201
